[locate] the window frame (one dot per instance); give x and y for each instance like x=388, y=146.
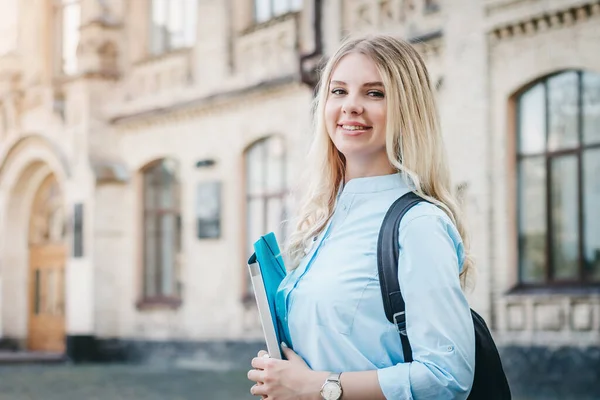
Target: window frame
x=290, y=7
x=172, y=300
x=262, y=145
x=548, y=156
x=166, y=45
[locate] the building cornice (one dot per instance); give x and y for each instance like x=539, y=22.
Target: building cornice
x=543, y=22
x=212, y=102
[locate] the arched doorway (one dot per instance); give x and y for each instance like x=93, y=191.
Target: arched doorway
x=46, y=276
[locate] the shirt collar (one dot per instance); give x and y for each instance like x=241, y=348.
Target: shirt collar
x=374, y=184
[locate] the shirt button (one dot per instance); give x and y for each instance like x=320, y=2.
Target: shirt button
x=450, y=348
x=344, y=207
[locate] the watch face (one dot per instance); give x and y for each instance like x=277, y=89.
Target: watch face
x=331, y=391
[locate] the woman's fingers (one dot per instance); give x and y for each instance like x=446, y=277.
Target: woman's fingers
x=258, y=390
x=256, y=375
x=263, y=353
x=261, y=362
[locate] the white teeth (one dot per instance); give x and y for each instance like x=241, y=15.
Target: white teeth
x=354, y=127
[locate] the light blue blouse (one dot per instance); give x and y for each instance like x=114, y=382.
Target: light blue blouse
x=332, y=303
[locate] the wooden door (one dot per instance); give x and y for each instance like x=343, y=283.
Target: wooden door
x=47, y=257
x=47, y=298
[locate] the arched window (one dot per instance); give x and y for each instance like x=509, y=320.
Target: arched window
x=161, y=229
x=266, y=190
x=558, y=153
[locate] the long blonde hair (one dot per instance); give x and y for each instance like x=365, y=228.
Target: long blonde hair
x=414, y=142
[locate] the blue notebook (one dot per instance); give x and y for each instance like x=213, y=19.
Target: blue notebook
x=268, y=258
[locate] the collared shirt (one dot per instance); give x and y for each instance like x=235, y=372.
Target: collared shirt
x=333, y=308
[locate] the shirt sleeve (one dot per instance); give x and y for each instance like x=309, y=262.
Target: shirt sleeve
x=438, y=319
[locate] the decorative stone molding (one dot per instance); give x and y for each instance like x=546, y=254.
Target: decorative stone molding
x=516, y=317
x=269, y=52
x=582, y=316
x=548, y=317
x=404, y=18
x=556, y=316
x=543, y=22
x=206, y=105
x=158, y=75
x=108, y=171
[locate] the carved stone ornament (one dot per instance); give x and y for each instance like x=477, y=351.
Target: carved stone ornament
x=47, y=224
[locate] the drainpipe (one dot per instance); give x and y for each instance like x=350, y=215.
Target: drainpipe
x=309, y=77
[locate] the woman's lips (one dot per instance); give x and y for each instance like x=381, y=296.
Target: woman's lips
x=353, y=130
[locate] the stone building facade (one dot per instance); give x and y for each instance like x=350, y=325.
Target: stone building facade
x=145, y=144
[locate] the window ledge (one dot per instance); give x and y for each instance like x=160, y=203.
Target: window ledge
x=151, y=58
x=256, y=26
x=158, y=303
x=563, y=289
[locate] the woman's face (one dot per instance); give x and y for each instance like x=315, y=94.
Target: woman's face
x=355, y=110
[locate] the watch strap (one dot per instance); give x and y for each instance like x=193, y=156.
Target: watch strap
x=334, y=377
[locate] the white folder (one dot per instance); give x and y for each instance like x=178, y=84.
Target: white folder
x=265, y=312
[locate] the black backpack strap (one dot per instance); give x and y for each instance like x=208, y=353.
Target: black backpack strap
x=387, y=264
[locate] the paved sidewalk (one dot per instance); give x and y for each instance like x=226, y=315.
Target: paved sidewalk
x=135, y=382
x=30, y=357
x=119, y=382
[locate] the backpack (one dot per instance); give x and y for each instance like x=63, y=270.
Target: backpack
x=490, y=381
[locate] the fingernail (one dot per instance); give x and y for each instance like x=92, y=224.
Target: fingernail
x=283, y=344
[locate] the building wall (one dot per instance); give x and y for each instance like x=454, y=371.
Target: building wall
x=241, y=82
x=519, y=59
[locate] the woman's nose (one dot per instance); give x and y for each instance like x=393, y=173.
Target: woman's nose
x=352, y=106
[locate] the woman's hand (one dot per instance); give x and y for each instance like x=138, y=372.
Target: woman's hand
x=289, y=379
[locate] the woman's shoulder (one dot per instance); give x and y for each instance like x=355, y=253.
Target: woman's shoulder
x=427, y=218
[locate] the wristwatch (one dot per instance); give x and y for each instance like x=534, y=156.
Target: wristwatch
x=332, y=388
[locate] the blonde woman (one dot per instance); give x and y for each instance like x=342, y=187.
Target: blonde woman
x=376, y=138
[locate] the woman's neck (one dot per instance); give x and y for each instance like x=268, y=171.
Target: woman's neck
x=363, y=170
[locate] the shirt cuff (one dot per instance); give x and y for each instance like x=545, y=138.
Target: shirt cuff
x=395, y=382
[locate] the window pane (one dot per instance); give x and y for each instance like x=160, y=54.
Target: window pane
x=562, y=111
x=255, y=169
x=591, y=108
x=50, y=291
x=169, y=186
x=70, y=37
x=262, y=10
x=158, y=26
x=275, y=217
x=168, y=251
x=175, y=24
x=150, y=252
x=256, y=221
x=532, y=121
x=532, y=219
x=190, y=22
x=565, y=223
x=150, y=188
x=281, y=6
x=37, y=293
x=591, y=212
x=275, y=165
x=296, y=5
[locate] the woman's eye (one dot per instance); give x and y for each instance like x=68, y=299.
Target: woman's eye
x=338, y=91
x=376, y=93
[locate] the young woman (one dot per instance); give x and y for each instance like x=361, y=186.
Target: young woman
x=376, y=138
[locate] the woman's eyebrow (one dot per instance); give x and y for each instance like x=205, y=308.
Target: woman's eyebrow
x=368, y=84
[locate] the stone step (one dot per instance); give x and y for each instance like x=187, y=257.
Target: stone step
x=31, y=357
